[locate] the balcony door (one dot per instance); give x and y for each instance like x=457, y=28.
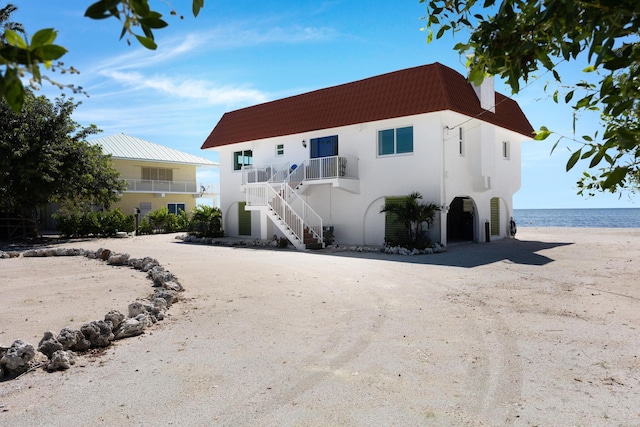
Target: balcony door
x=327, y=146
x=319, y=166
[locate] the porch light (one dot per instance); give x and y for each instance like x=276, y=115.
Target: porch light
x=304, y=143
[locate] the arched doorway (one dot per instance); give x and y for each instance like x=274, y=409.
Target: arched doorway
x=461, y=220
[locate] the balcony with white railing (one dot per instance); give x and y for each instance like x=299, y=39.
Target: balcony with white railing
x=334, y=167
x=269, y=172
x=339, y=171
x=157, y=186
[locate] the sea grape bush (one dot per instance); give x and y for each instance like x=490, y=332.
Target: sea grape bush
x=204, y=221
x=75, y=223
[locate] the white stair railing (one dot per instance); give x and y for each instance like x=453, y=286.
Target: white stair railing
x=312, y=221
x=264, y=194
x=280, y=175
x=274, y=186
x=297, y=176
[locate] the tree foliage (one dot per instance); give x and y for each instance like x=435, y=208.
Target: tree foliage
x=22, y=56
x=44, y=157
x=516, y=38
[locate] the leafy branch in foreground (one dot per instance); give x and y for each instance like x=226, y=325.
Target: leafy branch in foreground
x=22, y=57
x=135, y=13
x=515, y=38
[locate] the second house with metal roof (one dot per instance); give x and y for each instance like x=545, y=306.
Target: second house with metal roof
x=157, y=176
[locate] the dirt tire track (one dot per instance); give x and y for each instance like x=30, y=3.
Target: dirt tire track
x=320, y=366
x=494, y=384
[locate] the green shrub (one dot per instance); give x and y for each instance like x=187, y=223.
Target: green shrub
x=145, y=227
x=67, y=222
x=158, y=219
x=114, y=221
x=161, y=221
x=206, y=222
x=183, y=221
x=76, y=223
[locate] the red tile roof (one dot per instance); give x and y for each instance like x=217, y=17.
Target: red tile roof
x=418, y=90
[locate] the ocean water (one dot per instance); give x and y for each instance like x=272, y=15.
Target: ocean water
x=597, y=218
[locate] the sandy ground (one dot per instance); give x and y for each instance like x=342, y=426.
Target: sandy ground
x=537, y=331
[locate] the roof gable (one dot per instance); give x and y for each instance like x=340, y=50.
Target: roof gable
x=418, y=90
x=122, y=146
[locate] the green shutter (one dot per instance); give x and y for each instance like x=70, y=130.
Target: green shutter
x=244, y=220
x=495, y=216
x=393, y=229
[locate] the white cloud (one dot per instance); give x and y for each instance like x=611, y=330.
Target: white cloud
x=140, y=57
x=127, y=70
x=190, y=88
x=219, y=38
x=236, y=36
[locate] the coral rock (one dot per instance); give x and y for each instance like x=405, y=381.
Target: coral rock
x=49, y=344
x=118, y=259
x=73, y=339
x=17, y=357
x=61, y=360
x=99, y=333
x=115, y=317
x=167, y=295
x=131, y=327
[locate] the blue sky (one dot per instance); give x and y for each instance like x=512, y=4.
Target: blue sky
x=240, y=53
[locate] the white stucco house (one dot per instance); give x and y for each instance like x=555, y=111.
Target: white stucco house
x=331, y=158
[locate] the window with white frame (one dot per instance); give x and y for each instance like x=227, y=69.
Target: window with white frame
x=460, y=142
x=506, y=150
x=242, y=158
x=279, y=150
x=175, y=208
x=395, y=141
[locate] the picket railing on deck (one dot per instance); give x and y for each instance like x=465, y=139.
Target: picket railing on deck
x=264, y=173
x=311, y=170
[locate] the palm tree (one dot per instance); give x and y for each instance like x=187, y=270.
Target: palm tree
x=206, y=221
x=414, y=214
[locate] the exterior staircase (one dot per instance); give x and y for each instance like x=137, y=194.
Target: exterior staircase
x=275, y=189
x=279, y=201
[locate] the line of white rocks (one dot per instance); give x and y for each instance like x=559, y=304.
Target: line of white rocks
x=60, y=350
x=395, y=250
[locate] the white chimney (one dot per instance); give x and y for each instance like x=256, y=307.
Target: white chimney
x=486, y=94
